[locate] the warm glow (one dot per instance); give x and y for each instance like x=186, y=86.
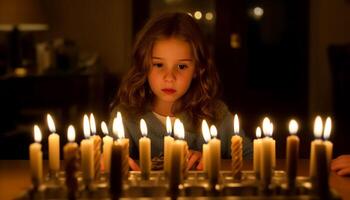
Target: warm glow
x=92, y=124
x=51, y=124
x=115, y=126
x=37, y=134
x=198, y=15
x=104, y=128
x=293, y=126
x=318, y=127
x=209, y=16
x=190, y=14
x=168, y=125
x=327, y=128
x=258, y=132
x=71, y=133
x=258, y=12
x=213, y=131
x=266, y=126
x=179, y=130
x=143, y=128
x=120, y=129
x=205, y=131
x=86, y=126
x=271, y=129
x=236, y=124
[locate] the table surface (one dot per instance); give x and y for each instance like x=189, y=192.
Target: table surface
x=15, y=177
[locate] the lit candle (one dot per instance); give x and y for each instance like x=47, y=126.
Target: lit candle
x=215, y=157
x=96, y=140
x=205, y=154
x=168, y=142
x=118, y=129
x=107, y=147
x=257, y=152
x=36, y=158
x=236, y=150
x=87, y=153
x=292, y=153
x=327, y=143
x=54, y=146
x=266, y=167
x=116, y=172
x=318, y=126
x=71, y=154
x=144, y=151
x=177, y=156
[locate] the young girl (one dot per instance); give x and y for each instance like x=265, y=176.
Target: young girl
x=173, y=74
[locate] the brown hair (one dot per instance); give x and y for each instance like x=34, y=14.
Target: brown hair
x=199, y=101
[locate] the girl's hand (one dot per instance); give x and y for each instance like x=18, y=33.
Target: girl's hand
x=341, y=165
x=193, y=158
x=133, y=165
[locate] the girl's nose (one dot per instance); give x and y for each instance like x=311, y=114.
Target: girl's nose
x=169, y=76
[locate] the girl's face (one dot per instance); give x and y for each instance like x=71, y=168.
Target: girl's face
x=172, y=69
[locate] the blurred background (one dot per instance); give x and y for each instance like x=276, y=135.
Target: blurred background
x=278, y=58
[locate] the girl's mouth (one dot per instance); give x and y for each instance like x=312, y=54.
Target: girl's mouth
x=169, y=90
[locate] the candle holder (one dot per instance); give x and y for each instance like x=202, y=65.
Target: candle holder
x=196, y=184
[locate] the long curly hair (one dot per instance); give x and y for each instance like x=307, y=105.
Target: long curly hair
x=199, y=101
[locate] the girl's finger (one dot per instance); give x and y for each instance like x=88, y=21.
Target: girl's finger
x=344, y=172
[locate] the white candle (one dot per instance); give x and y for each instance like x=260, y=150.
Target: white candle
x=267, y=143
x=167, y=146
x=292, y=152
x=168, y=142
x=71, y=148
x=205, y=154
x=177, y=156
x=257, y=152
x=71, y=153
x=328, y=144
x=118, y=130
x=215, y=156
x=107, y=148
x=36, y=157
x=87, y=153
x=318, y=126
x=144, y=151
x=236, y=150
x=96, y=140
x=54, y=145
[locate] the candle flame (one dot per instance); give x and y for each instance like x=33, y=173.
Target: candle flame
x=293, y=126
x=120, y=126
x=37, y=134
x=104, y=128
x=168, y=125
x=92, y=124
x=179, y=130
x=71, y=133
x=143, y=127
x=266, y=126
x=258, y=132
x=327, y=128
x=50, y=123
x=271, y=129
x=236, y=124
x=86, y=126
x=318, y=127
x=213, y=131
x=115, y=126
x=205, y=131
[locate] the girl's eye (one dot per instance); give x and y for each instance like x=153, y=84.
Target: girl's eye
x=182, y=66
x=157, y=65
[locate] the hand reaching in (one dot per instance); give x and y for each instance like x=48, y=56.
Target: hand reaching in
x=341, y=165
